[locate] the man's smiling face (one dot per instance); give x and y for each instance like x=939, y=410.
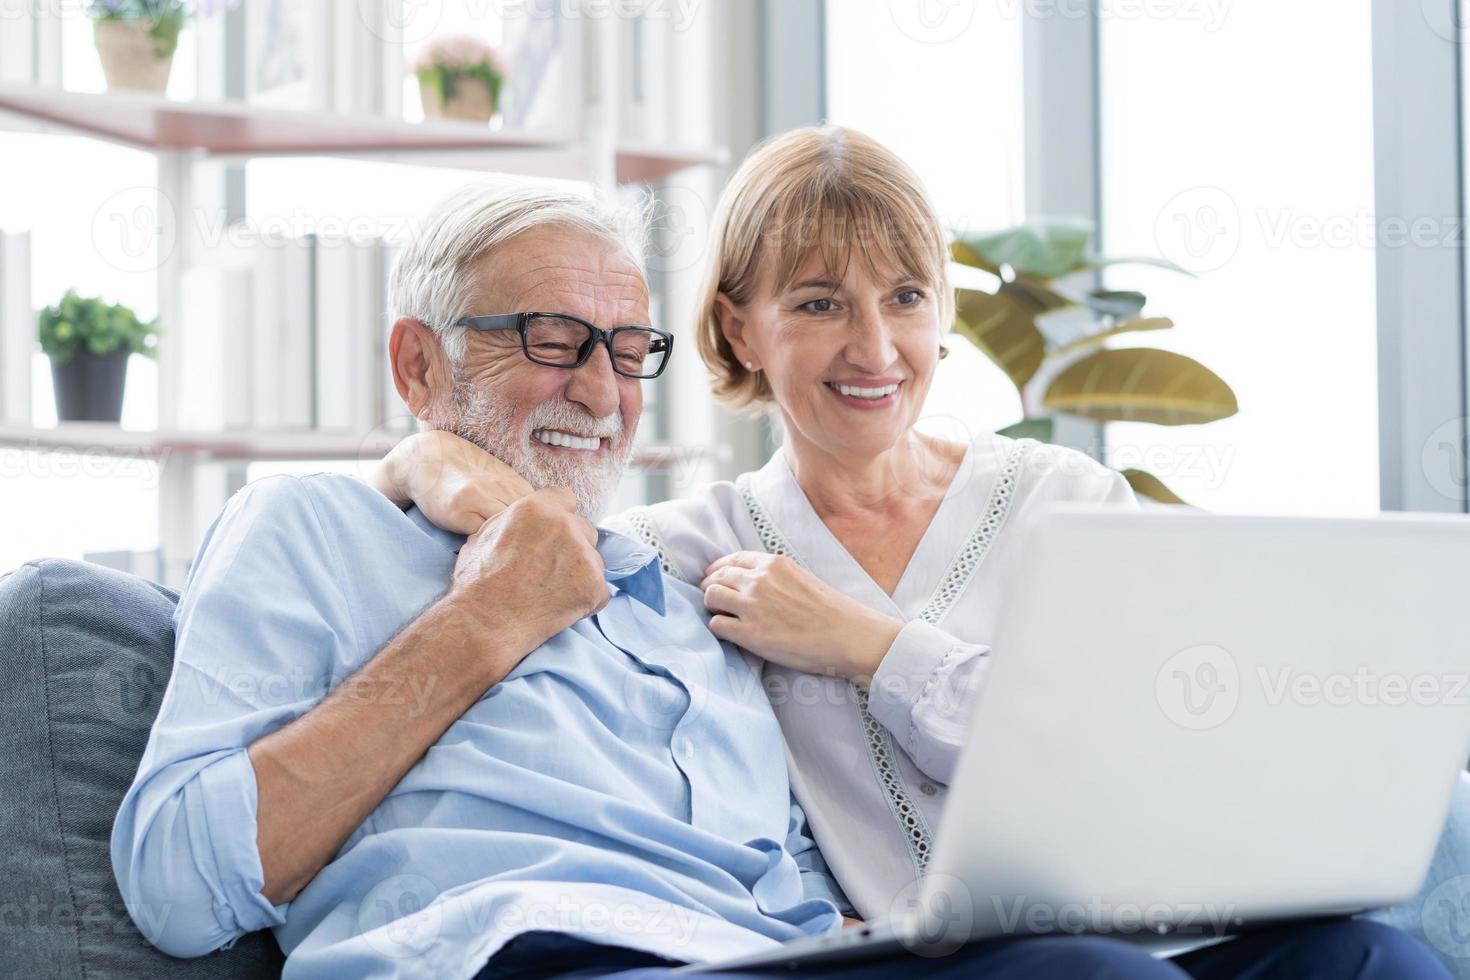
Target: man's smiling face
x=539, y=419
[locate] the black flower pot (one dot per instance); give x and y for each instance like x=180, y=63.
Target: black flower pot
x=89, y=388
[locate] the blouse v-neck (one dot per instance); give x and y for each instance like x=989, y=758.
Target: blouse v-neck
x=938, y=547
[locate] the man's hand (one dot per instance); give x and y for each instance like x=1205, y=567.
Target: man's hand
x=531, y=572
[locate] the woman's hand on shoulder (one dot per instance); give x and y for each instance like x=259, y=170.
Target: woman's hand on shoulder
x=457, y=485
x=781, y=612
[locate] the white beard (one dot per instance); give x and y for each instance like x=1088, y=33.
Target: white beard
x=473, y=415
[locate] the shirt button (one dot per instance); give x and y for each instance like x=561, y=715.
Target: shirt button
x=928, y=789
x=685, y=747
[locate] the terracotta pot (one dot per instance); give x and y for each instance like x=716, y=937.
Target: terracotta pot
x=130, y=55
x=471, y=99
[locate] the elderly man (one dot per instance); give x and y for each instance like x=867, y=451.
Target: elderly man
x=413, y=754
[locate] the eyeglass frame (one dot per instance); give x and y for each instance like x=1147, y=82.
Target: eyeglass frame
x=597, y=337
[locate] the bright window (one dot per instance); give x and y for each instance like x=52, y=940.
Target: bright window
x=944, y=93
x=1243, y=148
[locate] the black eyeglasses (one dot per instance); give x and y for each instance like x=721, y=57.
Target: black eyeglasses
x=565, y=341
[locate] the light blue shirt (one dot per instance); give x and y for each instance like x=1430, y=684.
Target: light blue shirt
x=625, y=784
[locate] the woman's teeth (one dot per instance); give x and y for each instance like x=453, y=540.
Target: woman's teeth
x=852, y=392
x=565, y=439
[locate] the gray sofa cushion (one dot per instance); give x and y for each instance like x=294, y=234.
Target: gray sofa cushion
x=85, y=654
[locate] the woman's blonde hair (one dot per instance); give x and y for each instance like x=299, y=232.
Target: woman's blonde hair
x=826, y=190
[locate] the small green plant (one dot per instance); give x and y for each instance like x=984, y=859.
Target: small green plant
x=448, y=58
x=80, y=323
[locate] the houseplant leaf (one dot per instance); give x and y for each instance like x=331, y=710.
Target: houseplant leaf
x=1121, y=303
x=1040, y=429
x=1141, y=384
x=1003, y=331
x=1042, y=249
x=1127, y=326
x=965, y=255
x=1147, y=485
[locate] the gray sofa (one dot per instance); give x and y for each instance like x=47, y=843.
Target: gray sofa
x=85, y=654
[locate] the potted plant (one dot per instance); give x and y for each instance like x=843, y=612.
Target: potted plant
x=136, y=40
x=89, y=343
x=459, y=78
x=1045, y=327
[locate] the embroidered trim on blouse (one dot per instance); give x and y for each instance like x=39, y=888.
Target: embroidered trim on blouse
x=641, y=521
x=997, y=509
x=956, y=579
x=880, y=741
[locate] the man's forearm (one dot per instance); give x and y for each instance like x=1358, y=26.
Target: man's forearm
x=319, y=777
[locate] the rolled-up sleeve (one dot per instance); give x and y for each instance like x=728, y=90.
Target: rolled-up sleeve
x=263, y=627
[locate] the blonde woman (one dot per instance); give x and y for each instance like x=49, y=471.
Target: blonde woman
x=866, y=563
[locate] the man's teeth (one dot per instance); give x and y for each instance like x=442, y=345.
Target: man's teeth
x=554, y=438
x=849, y=390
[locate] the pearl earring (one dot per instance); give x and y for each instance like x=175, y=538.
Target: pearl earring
x=749, y=366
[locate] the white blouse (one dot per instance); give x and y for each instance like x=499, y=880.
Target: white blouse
x=871, y=768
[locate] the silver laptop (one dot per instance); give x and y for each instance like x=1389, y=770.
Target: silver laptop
x=1195, y=724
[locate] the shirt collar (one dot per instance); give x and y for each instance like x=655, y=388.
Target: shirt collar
x=630, y=567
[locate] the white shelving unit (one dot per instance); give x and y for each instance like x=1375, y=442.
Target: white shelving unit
x=183, y=134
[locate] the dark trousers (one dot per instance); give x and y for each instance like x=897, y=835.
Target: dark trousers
x=1336, y=949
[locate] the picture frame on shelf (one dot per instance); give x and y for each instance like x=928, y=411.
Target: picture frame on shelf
x=288, y=54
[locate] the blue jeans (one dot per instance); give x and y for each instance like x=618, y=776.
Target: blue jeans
x=1339, y=949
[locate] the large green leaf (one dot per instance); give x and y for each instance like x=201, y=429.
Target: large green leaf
x=1140, y=384
x=1043, y=249
x=1147, y=485
x=1127, y=326
x=1004, y=331
x=1103, y=261
x=1121, y=303
x=1040, y=429
x=965, y=255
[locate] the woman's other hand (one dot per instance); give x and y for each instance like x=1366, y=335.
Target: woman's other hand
x=457, y=485
x=783, y=613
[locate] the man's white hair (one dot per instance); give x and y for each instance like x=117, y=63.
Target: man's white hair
x=434, y=275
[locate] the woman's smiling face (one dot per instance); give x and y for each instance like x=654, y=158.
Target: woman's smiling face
x=849, y=354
